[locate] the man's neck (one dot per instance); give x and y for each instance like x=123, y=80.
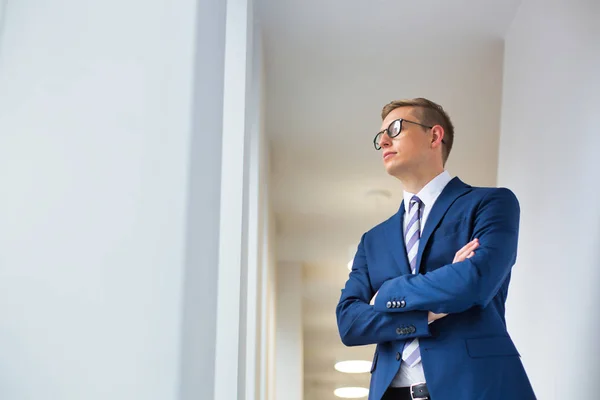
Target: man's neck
x=414, y=183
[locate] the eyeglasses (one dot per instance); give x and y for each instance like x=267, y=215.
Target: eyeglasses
x=394, y=130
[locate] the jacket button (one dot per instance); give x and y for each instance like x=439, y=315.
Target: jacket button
x=397, y=356
x=394, y=304
x=388, y=304
x=402, y=304
x=399, y=331
x=412, y=329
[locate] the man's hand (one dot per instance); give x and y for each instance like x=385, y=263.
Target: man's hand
x=434, y=317
x=467, y=251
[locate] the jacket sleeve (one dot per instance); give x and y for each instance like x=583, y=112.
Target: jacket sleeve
x=457, y=287
x=358, y=322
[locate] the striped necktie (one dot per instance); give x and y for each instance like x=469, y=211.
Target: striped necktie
x=411, y=353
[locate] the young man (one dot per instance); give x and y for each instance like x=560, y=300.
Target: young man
x=429, y=285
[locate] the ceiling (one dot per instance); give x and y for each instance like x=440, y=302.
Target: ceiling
x=330, y=67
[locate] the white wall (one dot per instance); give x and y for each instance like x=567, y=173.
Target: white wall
x=549, y=156
x=95, y=102
x=121, y=213
x=289, y=372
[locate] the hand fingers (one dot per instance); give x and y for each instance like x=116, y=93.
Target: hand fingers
x=463, y=257
x=471, y=254
x=467, y=251
x=472, y=245
x=468, y=247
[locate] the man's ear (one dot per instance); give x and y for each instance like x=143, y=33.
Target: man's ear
x=437, y=135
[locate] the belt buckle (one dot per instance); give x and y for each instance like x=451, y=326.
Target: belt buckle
x=412, y=393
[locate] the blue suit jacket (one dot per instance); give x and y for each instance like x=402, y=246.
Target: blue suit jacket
x=468, y=355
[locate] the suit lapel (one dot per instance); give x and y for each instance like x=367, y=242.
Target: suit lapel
x=453, y=190
x=395, y=235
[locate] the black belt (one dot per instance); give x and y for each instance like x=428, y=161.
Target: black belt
x=418, y=391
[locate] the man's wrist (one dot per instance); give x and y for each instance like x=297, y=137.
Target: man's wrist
x=431, y=316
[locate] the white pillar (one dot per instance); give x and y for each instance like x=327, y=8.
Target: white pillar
x=255, y=211
x=549, y=157
x=199, y=333
x=270, y=297
x=95, y=111
x=268, y=276
x=124, y=200
x=232, y=290
x=222, y=338
x=289, y=337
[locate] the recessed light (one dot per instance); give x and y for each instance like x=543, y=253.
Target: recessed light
x=351, y=392
x=353, y=366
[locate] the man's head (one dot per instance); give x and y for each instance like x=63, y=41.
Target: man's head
x=424, y=136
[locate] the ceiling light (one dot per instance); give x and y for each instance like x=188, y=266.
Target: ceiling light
x=351, y=392
x=354, y=366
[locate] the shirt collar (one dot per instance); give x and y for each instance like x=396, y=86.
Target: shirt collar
x=431, y=191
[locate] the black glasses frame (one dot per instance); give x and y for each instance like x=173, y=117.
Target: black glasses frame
x=387, y=131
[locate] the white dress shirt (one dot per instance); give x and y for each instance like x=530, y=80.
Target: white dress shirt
x=407, y=376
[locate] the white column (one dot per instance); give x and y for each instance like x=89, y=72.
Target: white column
x=231, y=345
x=221, y=330
x=125, y=205
x=549, y=157
x=256, y=228
x=199, y=332
x=271, y=302
x=289, y=356
x=267, y=275
x=267, y=338
x=95, y=111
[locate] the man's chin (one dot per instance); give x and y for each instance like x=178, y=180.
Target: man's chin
x=393, y=169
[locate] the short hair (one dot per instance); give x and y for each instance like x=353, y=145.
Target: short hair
x=430, y=113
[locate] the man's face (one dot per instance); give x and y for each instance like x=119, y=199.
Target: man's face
x=410, y=148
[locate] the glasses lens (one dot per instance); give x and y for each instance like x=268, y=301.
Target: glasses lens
x=394, y=128
x=377, y=141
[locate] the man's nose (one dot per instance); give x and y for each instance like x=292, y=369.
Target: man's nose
x=385, y=140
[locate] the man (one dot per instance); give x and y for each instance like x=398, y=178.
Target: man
x=429, y=285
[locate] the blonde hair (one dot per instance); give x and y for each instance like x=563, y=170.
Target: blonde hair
x=430, y=114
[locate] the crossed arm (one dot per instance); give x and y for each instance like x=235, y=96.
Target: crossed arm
x=468, y=282
x=467, y=251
